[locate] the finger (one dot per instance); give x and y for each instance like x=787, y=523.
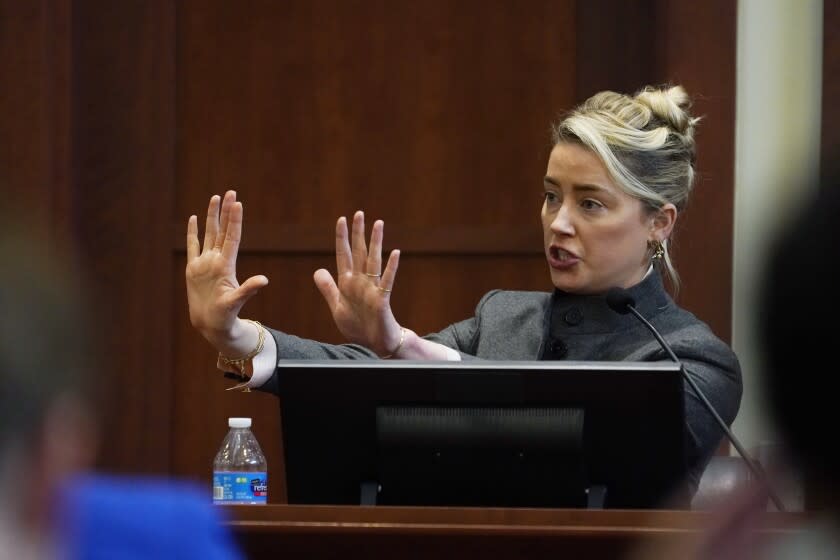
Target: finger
x=230, y=246
x=357, y=241
x=211, y=227
x=389, y=275
x=193, y=248
x=227, y=204
x=374, y=259
x=249, y=289
x=326, y=285
x=343, y=256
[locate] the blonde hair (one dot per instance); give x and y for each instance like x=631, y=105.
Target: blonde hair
x=646, y=142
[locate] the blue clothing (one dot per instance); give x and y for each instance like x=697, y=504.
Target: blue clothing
x=128, y=518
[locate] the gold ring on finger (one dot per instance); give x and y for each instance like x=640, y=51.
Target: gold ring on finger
x=373, y=275
x=384, y=290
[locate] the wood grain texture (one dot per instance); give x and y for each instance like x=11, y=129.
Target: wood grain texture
x=35, y=142
x=429, y=114
x=410, y=532
x=618, y=45
x=699, y=46
x=123, y=130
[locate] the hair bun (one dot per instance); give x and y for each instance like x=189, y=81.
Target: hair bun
x=670, y=105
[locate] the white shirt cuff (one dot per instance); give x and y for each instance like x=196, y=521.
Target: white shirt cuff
x=264, y=363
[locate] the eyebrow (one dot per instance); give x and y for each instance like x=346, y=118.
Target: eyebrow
x=577, y=187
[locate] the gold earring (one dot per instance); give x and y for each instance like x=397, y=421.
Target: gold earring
x=657, y=249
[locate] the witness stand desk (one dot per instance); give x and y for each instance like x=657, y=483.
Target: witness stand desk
x=295, y=531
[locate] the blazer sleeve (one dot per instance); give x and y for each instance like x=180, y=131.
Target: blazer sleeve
x=463, y=336
x=290, y=347
x=714, y=368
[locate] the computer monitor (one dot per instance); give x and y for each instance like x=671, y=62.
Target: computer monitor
x=483, y=433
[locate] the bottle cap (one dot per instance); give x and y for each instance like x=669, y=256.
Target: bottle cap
x=239, y=422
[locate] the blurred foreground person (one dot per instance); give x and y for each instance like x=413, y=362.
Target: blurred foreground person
x=796, y=334
x=797, y=337
x=51, y=504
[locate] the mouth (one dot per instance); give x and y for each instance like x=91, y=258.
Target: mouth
x=561, y=258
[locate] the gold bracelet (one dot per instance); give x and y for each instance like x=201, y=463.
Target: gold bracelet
x=397, y=349
x=243, y=366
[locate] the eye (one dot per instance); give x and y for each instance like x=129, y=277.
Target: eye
x=550, y=197
x=590, y=204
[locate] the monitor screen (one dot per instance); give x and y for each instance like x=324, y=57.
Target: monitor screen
x=483, y=433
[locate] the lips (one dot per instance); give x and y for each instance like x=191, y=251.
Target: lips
x=561, y=258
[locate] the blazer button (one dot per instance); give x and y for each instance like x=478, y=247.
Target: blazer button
x=573, y=316
x=558, y=349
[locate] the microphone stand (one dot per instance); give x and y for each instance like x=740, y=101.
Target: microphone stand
x=753, y=465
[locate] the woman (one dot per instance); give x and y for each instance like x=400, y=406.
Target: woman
x=620, y=172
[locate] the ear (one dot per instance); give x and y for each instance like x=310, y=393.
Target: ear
x=662, y=222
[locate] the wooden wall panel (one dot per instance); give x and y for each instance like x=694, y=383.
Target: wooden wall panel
x=699, y=46
x=86, y=158
x=35, y=116
x=618, y=45
x=123, y=134
x=412, y=111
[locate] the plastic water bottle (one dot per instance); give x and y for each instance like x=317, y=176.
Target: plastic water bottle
x=240, y=472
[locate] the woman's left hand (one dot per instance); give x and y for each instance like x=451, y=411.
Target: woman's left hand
x=360, y=299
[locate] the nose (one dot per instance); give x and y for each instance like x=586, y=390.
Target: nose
x=562, y=222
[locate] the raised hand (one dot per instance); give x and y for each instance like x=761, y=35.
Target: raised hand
x=360, y=298
x=214, y=295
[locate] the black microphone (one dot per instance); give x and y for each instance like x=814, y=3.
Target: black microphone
x=620, y=301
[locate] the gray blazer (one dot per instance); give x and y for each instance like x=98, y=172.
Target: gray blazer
x=511, y=325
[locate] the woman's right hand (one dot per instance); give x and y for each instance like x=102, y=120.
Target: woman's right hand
x=213, y=293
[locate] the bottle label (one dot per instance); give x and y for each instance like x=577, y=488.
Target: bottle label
x=240, y=487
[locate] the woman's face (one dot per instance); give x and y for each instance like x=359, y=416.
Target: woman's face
x=595, y=234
